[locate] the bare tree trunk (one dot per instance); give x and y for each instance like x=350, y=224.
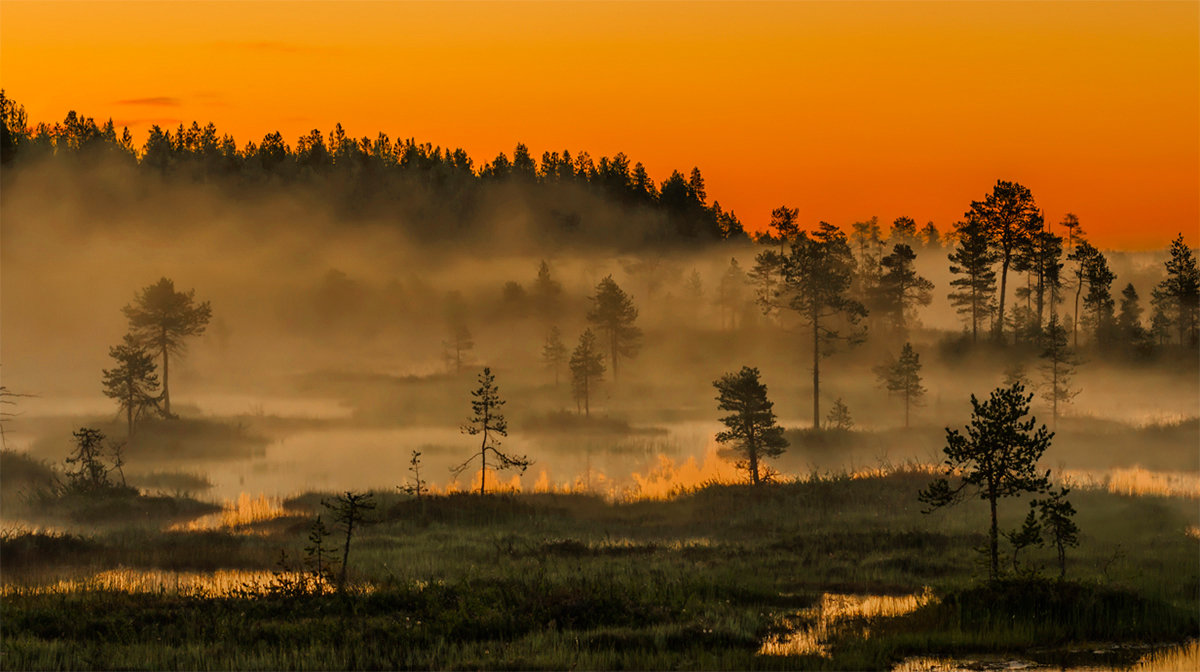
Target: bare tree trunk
x=166, y=395
x=753, y=453
x=816, y=373
x=612, y=341
x=346, y=551
x=1062, y=560
x=483, y=461
x=1075, y=319
x=1041, y=289
x=998, y=326
x=994, y=534
x=974, y=314
x=1054, y=388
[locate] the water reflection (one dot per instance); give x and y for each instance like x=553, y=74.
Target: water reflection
x=336, y=459
x=238, y=515
x=220, y=583
x=816, y=626
x=1136, y=481
x=1182, y=658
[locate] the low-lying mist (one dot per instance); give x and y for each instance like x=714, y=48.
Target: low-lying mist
x=326, y=361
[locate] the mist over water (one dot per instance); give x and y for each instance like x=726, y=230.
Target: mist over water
x=328, y=341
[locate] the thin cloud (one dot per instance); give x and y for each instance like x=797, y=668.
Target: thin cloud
x=153, y=101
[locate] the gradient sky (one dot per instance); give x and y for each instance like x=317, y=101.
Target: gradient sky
x=845, y=110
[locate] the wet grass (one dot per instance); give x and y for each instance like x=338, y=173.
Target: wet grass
x=553, y=581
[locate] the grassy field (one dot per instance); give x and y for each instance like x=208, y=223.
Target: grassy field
x=552, y=581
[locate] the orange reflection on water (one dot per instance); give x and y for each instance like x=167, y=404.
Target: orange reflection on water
x=237, y=516
x=819, y=624
x=219, y=583
x=1136, y=481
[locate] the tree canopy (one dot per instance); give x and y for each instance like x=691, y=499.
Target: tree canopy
x=160, y=318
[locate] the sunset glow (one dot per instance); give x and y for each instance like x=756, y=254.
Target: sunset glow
x=845, y=110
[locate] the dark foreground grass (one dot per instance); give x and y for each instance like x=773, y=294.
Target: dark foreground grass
x=1041, y=619
x=634, y=619
x=547, y=581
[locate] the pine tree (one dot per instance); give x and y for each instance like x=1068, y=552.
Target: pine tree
x=817, y=276
x=319, y=556
x=972, y=259
x=489, y=424
x=349, y=512
x=587, y=369
x=731, y=294
x=930, y=238
x=784, y=222
x=903, y=377
x=1040, y=259
x=839, y=419
x=1009, y=217
x=547, y=294
x=867, y=240
x=457, y=347
x=613, y=314
x=554, y=352
x=132, y=382
x=1098, y=302
x=904, y=232
x=1181, y=290
x=1029, y=534
x=1058, y=366
x=998, y=457
x=751, y=433
x=90, y=474
x=1074, y=230
x=1129, y=320
x=160, y=318
x=1056, y=518
x=1084, y=255
x=901, y=290
x=1016, y=374
x=1160, y=317
x=416, y=486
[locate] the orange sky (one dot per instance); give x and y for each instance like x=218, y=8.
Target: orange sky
x=845, y=110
